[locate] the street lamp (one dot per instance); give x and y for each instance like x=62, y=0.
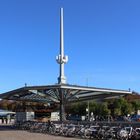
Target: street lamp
x=87, y=110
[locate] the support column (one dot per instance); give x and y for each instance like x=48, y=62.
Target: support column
x=62, y=106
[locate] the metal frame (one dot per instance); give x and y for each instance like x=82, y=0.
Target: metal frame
x=62, y=94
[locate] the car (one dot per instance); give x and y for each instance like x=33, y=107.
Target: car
x=74, y=118
x=135, y=117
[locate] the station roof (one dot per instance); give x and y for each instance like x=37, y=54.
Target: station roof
x=52, y=93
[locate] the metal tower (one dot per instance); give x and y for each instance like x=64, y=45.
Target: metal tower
x=61, y=58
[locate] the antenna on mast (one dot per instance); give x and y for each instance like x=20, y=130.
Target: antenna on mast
x=61, y=58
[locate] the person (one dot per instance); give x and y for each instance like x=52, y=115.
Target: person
x=49, y=125
x=49, y=122
x=6, y=120
x=2, y=120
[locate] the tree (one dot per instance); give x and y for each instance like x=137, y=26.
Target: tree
x=136, y=106
x=93, y=107
x=102, y=109
x=122, y=107
x=76, y=108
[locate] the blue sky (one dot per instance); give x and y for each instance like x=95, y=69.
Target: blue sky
x=102, y=40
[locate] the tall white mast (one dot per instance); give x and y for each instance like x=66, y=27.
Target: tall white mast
x=61, y=58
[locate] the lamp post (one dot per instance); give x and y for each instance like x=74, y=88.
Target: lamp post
x=87, y=109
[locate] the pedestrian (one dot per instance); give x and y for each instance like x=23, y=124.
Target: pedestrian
x=2, y=120
x=49, y=125
x=6, y=120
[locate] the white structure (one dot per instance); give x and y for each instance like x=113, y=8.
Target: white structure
x=61, y=58
x=55, y=116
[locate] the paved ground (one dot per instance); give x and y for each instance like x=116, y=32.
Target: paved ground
x=7, y=133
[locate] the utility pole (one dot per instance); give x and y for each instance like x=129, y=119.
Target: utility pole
x=88, y=111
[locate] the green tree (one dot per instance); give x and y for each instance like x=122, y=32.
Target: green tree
x=93, y=107
x=117, y=111
x=136, y=106
x=76, y=108
x=102, y=109
x=122, y=107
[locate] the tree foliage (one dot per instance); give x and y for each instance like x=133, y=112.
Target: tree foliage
x=122, y=107
x=114, y=107
x=96, y=108
x=76, y=108
x=136, y=106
